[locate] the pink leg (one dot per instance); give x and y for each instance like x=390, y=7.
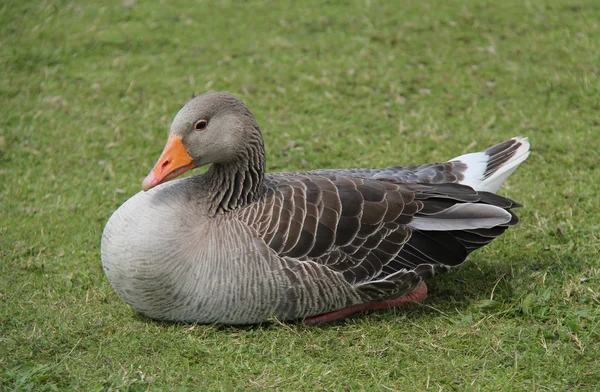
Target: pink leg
x=415, y=296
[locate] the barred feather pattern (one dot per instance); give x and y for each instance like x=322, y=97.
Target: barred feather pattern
x=359, y=228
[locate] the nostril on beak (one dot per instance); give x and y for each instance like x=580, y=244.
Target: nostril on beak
x=165, y=163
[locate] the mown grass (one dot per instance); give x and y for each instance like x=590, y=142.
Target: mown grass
x=88, y=92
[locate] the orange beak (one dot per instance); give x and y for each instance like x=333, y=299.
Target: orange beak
x=173, y=162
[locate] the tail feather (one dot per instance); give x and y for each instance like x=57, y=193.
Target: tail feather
x=488, y=169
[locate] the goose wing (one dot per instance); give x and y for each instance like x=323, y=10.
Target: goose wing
x=375, y=232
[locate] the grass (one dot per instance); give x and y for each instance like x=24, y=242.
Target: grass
x=88, y=92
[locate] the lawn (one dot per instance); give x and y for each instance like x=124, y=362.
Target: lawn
x=88, y=90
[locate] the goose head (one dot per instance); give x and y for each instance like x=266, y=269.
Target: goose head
x=214, y=127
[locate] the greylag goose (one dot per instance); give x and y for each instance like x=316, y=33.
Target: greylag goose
x=237, y=246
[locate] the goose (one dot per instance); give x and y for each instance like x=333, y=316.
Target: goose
x=234, y=245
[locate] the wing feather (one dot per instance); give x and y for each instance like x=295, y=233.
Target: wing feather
x=365, y=230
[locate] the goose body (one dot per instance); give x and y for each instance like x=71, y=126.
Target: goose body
x=236, y=246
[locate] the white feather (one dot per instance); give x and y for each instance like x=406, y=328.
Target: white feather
x=477, y=164
x=493, y=182
x=467, y=216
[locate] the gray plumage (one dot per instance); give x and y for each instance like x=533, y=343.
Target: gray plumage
x=236, y=246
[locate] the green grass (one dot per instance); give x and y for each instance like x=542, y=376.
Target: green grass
x=88, y=90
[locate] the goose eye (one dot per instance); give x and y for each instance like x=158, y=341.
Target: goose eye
x=201, y=124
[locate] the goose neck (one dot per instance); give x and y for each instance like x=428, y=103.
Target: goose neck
x=239, y=182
